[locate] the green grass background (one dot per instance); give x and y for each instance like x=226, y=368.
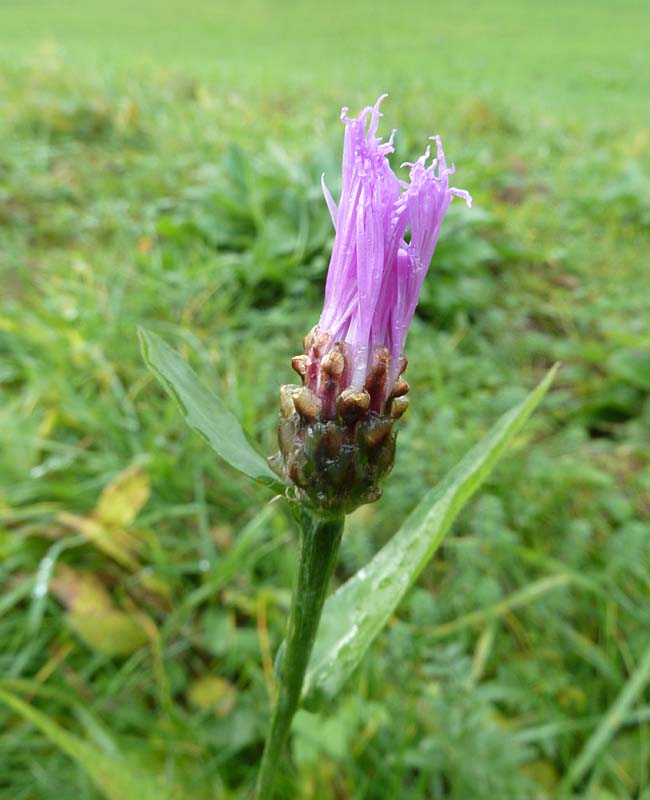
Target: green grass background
x=160, y=165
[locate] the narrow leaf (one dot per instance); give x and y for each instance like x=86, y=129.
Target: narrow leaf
x=115, y=777
x=355, y=614
x=203, y=411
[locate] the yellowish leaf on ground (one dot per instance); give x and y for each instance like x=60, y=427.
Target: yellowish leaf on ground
x=112, y=632
x=108, y=525
x=93, y=615
x=123, y=498
x=117, y=543
x=211, y=693
x=82, y=591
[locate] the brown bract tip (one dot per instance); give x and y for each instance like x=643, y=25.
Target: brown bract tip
x=399, y=406
x=333, y=363
x=376, y=378
x=286, y=399
x=299, y=364
x=375, y=430
x=307, y=403
x=315, y=340
x=352, y=403
x=401, y=388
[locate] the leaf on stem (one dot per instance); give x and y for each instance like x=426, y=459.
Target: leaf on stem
x=204, y=412
x=355, y=614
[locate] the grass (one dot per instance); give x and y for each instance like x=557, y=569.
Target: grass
x=565, y=59
x=163, y=169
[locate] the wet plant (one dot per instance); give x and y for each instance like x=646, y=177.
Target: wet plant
x=338, y=427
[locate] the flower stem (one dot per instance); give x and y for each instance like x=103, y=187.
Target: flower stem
x=319, y=544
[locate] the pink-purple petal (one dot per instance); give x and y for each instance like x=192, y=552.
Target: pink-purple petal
x=376, y=271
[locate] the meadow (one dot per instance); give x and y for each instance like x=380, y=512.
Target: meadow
x=160, y=165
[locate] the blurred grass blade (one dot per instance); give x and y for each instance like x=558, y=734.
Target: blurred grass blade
x=203, y=411
x=113, y=776
x=609, y=725
x=494, y=611
x=357, y=612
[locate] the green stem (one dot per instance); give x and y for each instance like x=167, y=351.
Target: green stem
x=319, y=545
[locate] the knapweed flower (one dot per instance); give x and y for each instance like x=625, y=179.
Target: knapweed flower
x=336, y=430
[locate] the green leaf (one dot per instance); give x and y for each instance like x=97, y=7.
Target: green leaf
x=355, y=614
x=115, y=777
x=204, y=412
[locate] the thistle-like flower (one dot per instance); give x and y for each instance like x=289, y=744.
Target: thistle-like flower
x=336, y=432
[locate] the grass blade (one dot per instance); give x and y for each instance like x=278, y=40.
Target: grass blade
x=111, y=773
x=609, y=725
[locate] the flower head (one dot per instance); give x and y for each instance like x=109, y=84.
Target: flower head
x=386, y=233
x=336, y=437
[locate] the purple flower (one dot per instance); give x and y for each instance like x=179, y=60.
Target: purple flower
x=337, y=433
x=386, y=233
